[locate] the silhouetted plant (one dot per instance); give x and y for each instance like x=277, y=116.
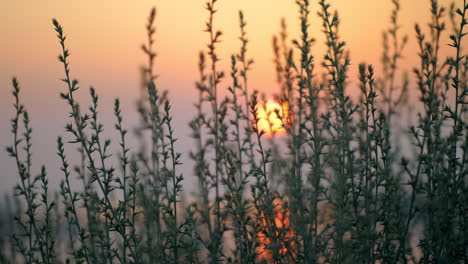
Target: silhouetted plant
x=337, y=187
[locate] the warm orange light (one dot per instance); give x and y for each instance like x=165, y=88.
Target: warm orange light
x=273, y=117
x=270, y=249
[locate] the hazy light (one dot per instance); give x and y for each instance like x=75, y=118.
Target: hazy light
x=281, y=228
x=273, y=117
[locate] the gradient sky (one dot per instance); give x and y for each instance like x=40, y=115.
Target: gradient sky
x=104, y=38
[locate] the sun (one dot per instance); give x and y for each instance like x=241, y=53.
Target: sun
x=273, y=117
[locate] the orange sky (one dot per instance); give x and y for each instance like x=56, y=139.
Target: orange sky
x=105, y=38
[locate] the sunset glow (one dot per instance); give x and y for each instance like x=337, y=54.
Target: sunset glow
x=270, y=248
x=246, y=131
x=273, y=117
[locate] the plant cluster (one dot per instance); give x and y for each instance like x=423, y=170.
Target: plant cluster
x=335, y=187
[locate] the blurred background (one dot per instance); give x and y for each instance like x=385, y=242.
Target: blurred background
x=105, y=39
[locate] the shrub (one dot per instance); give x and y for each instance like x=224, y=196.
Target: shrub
x=333, y=187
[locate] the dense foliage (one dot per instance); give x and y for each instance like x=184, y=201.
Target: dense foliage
x=336, y=187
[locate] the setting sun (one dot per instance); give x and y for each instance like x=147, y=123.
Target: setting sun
x=273, y=117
